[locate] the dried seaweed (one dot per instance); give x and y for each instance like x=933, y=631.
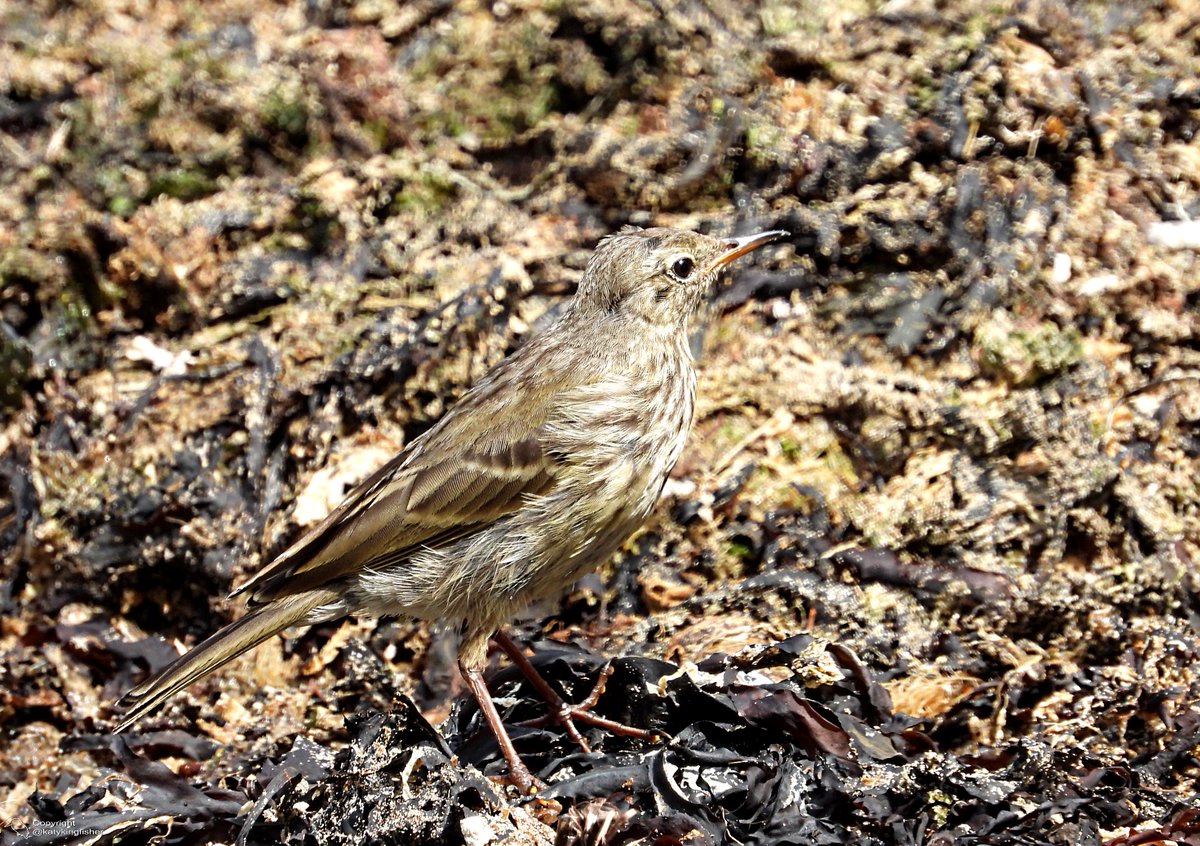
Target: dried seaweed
x=927, y=570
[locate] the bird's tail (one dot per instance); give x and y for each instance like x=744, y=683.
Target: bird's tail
x=218, y=650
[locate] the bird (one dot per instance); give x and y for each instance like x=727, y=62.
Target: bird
x=530, y=481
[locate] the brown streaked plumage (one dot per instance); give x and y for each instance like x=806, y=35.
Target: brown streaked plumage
x=530, y=481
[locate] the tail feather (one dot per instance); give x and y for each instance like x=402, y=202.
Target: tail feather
x=218, y=650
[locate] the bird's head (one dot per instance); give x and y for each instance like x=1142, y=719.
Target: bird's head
x=658, y=275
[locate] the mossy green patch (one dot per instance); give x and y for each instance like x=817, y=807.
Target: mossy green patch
x=780, y=19
x=426, y=192
x=765, y=143
x=180, y=182
x=839, y=464
x=1025, y=355
x=285, y=113
x=739, y=550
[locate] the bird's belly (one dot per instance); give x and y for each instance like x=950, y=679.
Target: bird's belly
x=605, y=509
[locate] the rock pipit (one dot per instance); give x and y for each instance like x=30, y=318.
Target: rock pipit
x=531, y=480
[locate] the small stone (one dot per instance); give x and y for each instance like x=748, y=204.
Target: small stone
x=476, y=831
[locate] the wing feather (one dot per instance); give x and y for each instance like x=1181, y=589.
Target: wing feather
x=444, y=485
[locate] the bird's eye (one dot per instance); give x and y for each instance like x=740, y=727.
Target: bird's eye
x=682, y=268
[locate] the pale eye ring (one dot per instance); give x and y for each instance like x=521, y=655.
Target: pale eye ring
x=682, y=268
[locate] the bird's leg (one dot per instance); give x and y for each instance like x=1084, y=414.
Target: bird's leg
x=561, y=712
x=525, y=780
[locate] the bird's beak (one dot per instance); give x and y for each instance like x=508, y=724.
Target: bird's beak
x=736, y=247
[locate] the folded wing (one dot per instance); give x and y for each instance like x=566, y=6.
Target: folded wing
x=461, y=475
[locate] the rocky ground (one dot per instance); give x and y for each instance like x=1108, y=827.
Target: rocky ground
x=927, y=571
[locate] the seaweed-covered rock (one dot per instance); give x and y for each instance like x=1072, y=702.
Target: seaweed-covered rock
x=926, y=571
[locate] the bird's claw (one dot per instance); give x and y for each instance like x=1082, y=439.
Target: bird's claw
x=566, y=714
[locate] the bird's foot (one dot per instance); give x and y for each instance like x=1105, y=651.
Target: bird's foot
x=519, y=775
x=566, y=714
x=560, y=711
